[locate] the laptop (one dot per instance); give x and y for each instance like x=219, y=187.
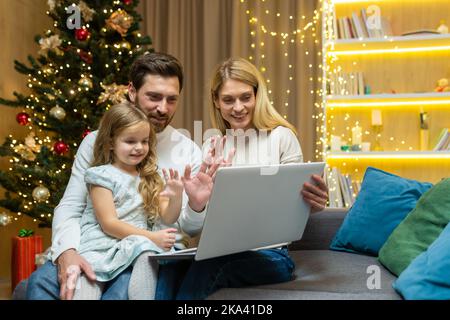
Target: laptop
x=252, y=208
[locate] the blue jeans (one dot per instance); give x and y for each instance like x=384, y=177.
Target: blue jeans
x=43, y=284
x=196, y=280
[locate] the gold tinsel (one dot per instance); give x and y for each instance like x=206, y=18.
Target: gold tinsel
x=50, y=43
x=120, y=21
x=114, y=93
x=28, y=150
x=86, y=11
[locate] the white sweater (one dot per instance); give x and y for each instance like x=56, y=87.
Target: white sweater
x=174, y=150
x=278, y=146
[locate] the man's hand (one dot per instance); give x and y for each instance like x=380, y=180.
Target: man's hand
x=316, y=195
x=199, y=187
x=70, y=264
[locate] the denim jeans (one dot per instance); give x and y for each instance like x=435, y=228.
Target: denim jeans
x=43, y=284
x=196, y=280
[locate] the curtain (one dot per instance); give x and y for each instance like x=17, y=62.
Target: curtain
x=202, y=33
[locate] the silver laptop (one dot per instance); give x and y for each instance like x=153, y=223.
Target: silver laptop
x=252, y=208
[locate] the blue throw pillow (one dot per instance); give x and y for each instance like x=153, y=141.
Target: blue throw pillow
x=428, y=276
x=383, y=202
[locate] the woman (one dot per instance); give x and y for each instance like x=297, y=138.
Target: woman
x=241, y=110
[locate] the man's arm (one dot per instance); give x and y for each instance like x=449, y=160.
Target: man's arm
x=66, y=220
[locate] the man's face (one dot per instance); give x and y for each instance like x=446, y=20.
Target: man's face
x=158, y=98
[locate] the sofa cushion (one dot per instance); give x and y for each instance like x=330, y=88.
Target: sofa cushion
x=428, y=277
x=416, y=233
x=323, y=274
x=383, y=202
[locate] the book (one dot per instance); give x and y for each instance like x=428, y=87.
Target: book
x=441, y=142
x=361, y=31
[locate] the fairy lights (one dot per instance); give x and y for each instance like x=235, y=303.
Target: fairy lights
x=289, y=41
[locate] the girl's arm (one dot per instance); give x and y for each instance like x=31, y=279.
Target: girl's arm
x=171, y=198
x=170, y=209
x=105, y=212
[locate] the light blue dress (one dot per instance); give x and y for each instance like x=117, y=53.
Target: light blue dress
x=107, y=255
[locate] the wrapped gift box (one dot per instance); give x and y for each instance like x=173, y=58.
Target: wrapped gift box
x=24, y=250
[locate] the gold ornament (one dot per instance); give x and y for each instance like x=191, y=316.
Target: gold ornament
x=58, y=112
x=40, y=193
x=50, y=43
x=120, y=21
x=86, y=11
x=85, y=82
x=114, y=93
x=5, y=219
x=125, y=45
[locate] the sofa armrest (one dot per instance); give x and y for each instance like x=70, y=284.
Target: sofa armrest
x=320, y=230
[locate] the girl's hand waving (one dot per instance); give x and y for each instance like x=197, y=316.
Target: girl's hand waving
x=174, y=186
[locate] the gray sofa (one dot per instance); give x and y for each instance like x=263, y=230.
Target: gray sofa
x=320, y=273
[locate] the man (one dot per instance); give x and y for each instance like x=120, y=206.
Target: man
x=156, y=81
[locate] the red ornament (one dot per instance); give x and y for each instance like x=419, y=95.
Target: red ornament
x=82, y=34
x=127, y=2
x=60, y=147
x=23, y=118
x=85, y=133
x=86, y=57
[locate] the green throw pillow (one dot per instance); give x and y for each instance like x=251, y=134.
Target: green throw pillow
x=420, y=228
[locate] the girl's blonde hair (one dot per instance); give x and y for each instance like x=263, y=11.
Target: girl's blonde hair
x=113, y=122
x=265, y=115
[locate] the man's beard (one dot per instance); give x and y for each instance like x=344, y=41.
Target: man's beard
x=159, y=127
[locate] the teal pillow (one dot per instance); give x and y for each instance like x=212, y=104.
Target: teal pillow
x=428, y=276
x=419, y=230
x=383, y=202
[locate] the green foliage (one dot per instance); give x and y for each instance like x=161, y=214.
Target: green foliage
x=56, y=77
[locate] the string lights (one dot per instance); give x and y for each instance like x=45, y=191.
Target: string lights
x=287, y=40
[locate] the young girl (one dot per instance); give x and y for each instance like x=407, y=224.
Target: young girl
x=126, y=198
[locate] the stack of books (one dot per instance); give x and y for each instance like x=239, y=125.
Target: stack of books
x=342, y=83
x=358, y=26
x=341, y=189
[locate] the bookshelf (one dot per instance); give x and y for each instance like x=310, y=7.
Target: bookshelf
x=399, y=75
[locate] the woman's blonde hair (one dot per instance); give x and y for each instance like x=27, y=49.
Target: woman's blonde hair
x=265, y=115
x=113, y=122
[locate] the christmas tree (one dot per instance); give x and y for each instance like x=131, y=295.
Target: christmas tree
x=80, y=71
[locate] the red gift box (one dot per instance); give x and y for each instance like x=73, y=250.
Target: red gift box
x=24, y=250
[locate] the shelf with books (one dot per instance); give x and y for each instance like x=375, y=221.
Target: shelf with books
x=380, y=101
